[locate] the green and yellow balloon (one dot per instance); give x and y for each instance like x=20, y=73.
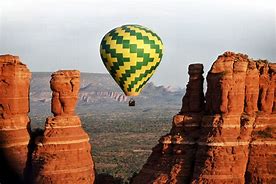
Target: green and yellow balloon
x=131, y=54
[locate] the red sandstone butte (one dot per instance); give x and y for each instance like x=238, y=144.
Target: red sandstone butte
x=229, y=137
x=62, y=153
x=14, y=120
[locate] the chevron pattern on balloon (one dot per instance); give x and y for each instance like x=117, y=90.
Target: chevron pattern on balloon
x=131, y=54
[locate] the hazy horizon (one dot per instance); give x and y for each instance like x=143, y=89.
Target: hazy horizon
x=49, y=35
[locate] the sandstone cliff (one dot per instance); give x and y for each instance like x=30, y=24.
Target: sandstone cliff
x=227, y=138
x=62, y=153
x=14, y=120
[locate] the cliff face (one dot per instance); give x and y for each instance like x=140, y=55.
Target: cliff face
x=14, y=120
x=62, y=153
x=227, y=138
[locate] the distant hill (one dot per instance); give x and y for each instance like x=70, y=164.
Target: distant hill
x=100, y=92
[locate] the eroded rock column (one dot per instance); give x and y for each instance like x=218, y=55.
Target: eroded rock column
x=62, y=154
x=14, y=120
x=193, y=100
x=172, y=160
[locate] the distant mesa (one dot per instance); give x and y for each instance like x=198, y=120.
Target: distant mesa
x=91, y=93
x=100, y=89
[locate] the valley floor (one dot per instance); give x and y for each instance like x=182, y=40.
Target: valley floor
x=122, y=139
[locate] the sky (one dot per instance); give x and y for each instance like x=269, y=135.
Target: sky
x=49, y=35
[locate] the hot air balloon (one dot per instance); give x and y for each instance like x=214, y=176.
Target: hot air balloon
x=131, y=54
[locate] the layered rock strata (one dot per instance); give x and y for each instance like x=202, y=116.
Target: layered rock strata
x=62, y=153
x=14, y=120
x=230, y=138
x=262, y=149
x=222, y=149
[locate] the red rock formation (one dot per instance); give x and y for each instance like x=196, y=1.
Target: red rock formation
x=14, y=120
x=251, y=88
x=222, y=151
x=226, y=84
x=65, y=86
x=261, y=163
x=193, y=100
x=232, y=140
x=173, y=158
x=63, y=154
x=267, y=86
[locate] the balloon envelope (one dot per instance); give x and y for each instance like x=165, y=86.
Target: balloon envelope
x=131, y=53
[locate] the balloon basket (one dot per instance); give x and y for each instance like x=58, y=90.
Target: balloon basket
x=131, y=102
